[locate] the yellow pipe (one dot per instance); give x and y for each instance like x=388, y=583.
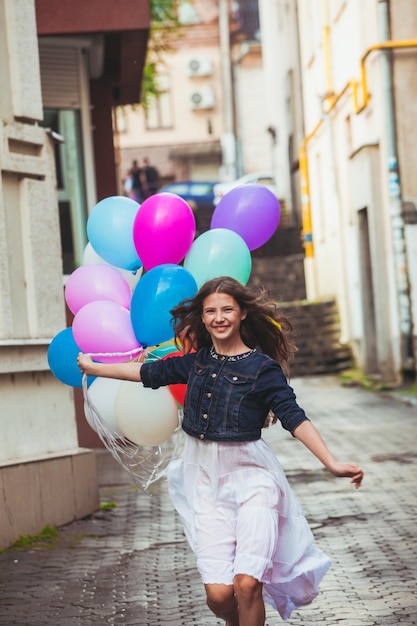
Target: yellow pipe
x=329, y=83
x=305, y=195
x=329, y=95
x=386, y=45
x=333, y=100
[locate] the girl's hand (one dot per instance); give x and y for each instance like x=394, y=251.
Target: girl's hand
x=141, y=358
x=348, y=470
x=84, y=362
x=126, y=370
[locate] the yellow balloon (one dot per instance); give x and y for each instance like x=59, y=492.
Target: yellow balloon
x=148, y=417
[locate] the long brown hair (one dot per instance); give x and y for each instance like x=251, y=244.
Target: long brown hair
x=264, y=326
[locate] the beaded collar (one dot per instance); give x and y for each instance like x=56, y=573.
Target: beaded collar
x=237, y=357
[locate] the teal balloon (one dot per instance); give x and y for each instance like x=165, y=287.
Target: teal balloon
x=161, y=351
x=157, y=292
x=62, y=359
x=219, y=252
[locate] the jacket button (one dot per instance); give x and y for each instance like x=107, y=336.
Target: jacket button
x=201, y=436
x=234, y=378
x=205, y=416
x=213, y=375
x=209, y=395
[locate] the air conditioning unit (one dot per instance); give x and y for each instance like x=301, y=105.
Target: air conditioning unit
x=202, y=99
x=199, y=66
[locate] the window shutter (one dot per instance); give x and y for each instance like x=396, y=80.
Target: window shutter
x=60, y=77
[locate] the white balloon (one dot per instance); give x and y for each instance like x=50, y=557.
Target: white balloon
x=148, y=417
x=103, y=393
x=90, y=257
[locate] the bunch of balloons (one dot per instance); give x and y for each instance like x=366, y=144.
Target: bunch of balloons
x=140, y=262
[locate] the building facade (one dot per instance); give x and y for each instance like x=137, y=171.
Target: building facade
x=208, y=122
x=64, y=66
x=354, y=172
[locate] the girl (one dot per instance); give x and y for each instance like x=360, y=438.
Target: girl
x=240, y=516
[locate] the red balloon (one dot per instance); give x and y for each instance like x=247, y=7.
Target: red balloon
x=179, y=390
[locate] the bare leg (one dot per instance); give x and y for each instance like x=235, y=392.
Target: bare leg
x=248, y=592
x=221, y=600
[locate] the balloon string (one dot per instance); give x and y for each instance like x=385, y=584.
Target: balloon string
x=137, y=351
x=145, y=464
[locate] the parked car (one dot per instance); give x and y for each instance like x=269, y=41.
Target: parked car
x=199, y=195
x=260, y=178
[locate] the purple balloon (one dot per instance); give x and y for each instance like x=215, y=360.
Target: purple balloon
x=252, y=211
x=94, y=282
x=163, y=230
x=104, y=327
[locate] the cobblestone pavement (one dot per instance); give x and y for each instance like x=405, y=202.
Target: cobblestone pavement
x=132, y=566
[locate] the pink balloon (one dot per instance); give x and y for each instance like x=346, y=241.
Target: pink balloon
x=89, y=283
x=104, y=327
x=163, y=230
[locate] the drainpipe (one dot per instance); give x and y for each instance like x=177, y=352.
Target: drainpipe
x=395, y=205
x=243, y=52
x=228, y=139
x=326, y=49
x=307, y=226
x=309, y=263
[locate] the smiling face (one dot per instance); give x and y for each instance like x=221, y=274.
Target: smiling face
x=222, y=317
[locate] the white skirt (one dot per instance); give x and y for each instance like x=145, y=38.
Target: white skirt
x=240, y=516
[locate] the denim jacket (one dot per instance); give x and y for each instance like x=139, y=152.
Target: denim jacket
x=228, y=398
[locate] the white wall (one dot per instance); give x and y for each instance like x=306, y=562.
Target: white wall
x=283, y=102
x=188, y=125
x=336, y=196
x=251, y=112
x=37, y=416
x=347, y=156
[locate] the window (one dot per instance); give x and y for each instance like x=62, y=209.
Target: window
x=70, y=182
x=158, y=114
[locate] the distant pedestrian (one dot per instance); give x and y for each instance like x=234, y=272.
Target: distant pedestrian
x=241, y=518
x=149, y=179
x=128, y=184
x=133, y=182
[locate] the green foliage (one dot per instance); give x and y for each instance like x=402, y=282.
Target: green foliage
x=163, y=11
x=164, y=32
x=357, y=378
x=48, y=534
x=104, y=506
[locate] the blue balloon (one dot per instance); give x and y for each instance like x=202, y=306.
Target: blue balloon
x=62, y=359
x=157, y=292
x=110, y=231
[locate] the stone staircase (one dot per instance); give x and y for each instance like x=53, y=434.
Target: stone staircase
x=279, y=267
x=316, y=332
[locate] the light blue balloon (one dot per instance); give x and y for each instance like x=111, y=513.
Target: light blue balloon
x=110, y=231
x=157, y=292
x=219, y=252
x=62, y=359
